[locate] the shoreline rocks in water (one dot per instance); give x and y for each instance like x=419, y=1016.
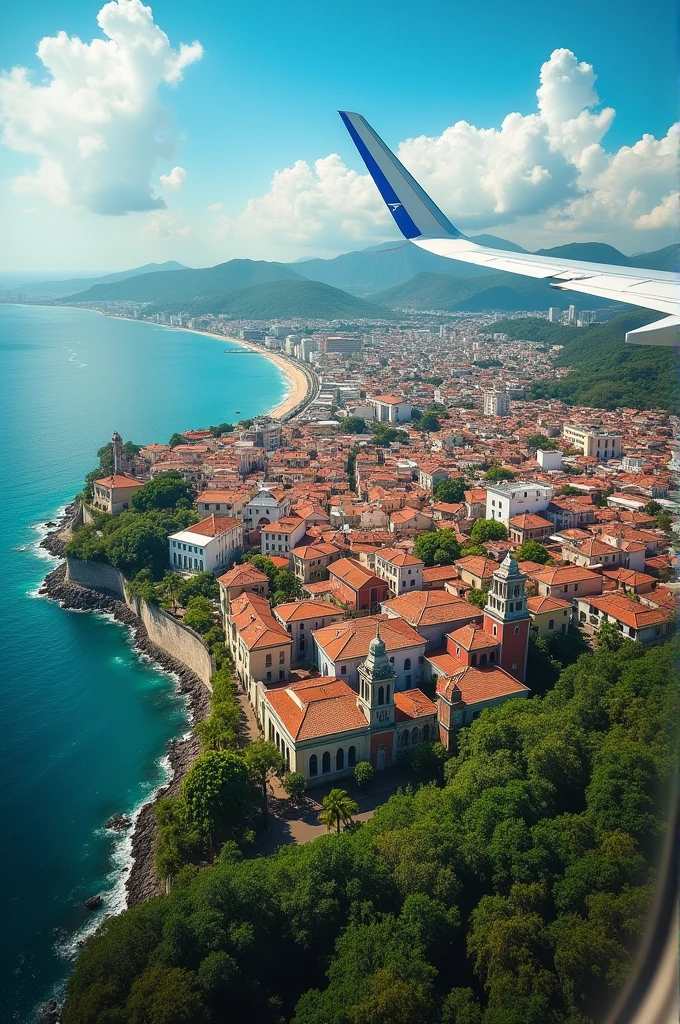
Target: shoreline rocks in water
x=50, y=1014
x=93, y=902
x=142, y=881
x=119, y=823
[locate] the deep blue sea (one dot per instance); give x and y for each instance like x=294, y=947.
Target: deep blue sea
x=84, y=719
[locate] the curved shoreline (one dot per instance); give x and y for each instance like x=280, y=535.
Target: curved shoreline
x=297, y=380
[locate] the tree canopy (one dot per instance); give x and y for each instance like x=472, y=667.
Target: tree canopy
x=437, y=547
x=496, y=474
x=532, y=551
x=516, y=893
x=488, y=529
x=451, y=491
x=354, y=425
x=166, y=490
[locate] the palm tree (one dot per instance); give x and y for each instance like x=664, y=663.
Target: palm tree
x=338, y=808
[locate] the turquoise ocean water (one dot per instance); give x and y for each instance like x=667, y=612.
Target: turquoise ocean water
x=84, y=719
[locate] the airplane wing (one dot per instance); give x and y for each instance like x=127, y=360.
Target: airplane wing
x=423, y=223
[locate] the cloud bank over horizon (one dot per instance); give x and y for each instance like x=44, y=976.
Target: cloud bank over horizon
x=551, y=164
x=97, y=124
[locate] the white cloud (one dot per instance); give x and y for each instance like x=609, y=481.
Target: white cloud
x=97, y=124
x=162, y=224
x=662, y=216
x=175, y=180
x=551, y=164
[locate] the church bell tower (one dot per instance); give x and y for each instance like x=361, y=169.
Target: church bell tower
x=506, y=617
x=117, y=445
x=376, y=685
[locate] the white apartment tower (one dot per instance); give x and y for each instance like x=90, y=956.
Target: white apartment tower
x=496, y=403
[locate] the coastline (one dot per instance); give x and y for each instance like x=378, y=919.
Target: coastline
x=181, y=751
x=298, y=383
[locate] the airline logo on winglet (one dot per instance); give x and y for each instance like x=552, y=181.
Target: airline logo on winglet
x=394, y=206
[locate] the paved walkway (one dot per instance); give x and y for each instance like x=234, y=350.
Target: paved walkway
x=298, y=824
x=291, y=824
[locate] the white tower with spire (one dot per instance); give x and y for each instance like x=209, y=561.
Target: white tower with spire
x=376, y=685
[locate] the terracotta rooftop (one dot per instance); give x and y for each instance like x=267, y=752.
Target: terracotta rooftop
x=287, y=524
x=318, y=707
x=398, y=557
x=472, y=638
x=477, y=685
x=530, y=521
x=354, y=574
x=432, y=607
x=213, y=526
x=297, y=611
x=546, y=604
x=630, y=613
x=351, y=638
x=241, y=575
x=412, y=704
x=119, y=480
x=255, y=623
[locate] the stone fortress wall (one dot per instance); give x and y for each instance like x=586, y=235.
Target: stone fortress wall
x=167, y=632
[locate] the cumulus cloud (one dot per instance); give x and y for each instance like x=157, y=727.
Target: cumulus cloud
x=97, y=124
x=175, y=180
x=551, y=163
x=662, y=216
x=162, y=224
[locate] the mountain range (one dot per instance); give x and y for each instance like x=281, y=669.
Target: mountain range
x=54, y=289
x=362, y=284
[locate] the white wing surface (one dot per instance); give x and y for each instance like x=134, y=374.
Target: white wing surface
x=423, y=223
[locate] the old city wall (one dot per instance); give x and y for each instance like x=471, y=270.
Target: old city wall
x=163, y=629
x=174, y=638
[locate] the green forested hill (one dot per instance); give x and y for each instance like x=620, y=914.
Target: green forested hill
x=285, y=299
x=497, y=291
x=182, y=285
x=606, y=372
x=515, y=893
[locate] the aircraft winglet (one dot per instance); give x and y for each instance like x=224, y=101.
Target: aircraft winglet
x=414, y=213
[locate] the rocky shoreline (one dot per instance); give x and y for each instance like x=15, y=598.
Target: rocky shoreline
x=142, y=881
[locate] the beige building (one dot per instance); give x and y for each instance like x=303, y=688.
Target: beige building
x=549, y=614
x=311, y=561
x=635, y=620
x=113, y=493
x=598, y=444
x=402, y=572
x=242, y=579
x=300, y=619
x=260, y=645
x=221, y=501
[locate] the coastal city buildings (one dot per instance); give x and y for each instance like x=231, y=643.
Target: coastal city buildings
x=374, y=647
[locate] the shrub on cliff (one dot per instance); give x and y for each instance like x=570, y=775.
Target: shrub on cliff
x=167, y=490
x=200, y=615
x=131, y=541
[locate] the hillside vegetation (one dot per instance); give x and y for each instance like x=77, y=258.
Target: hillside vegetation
x=284, y=299
x=176, y=285
x=514, y=894
x=497, y=291
x=606, y=371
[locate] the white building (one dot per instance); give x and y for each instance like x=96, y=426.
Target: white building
x=268, y=506
x=548, y=459
x=554, y=314
x=390, y=410
x=496, y=403
x=503, y=501
x=281, y=537
x=205, y=547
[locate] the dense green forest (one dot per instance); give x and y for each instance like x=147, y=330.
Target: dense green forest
x=514, y=893
x=606, y=371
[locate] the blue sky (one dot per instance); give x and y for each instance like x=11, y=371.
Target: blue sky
x=264, y=95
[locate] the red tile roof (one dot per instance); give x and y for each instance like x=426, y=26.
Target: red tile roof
x=213, y=526
x=477, y=685
x=119, y=480
x=351, y=638
x=242, y=575
x=412, y=704
x=317, y=707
